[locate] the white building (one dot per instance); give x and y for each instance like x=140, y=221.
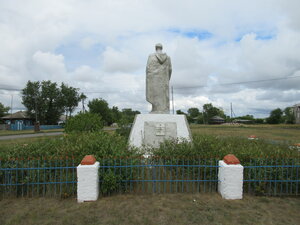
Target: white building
x=297, y=113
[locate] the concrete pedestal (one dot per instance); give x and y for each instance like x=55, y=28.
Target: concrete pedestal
x=88, y=182
x=152, y=129
x=230, y=180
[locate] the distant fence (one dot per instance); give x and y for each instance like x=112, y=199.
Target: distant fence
x=20, y=126
x=58, y=178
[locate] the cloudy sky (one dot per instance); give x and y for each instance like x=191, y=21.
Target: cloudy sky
x=239, y=51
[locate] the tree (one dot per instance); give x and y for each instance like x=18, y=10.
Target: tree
x=46, y=102
x=116, y=114
x=42, y=100
x=193, y=112
x=3, y=110
x=83, y=97
x=289, y=116
x=179, y=112
x=70, y=98
x=210, y=111
x=246, y=117
x=200, y=118
x=100, y=107
x=84, y=122
x=128, y=115
x=275, y=116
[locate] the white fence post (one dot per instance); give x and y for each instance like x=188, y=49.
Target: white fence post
x=230, y=178
x=88, y=179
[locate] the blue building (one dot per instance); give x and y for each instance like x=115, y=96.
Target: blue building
x=18, y=120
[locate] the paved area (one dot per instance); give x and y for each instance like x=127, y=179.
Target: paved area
x=29, y=135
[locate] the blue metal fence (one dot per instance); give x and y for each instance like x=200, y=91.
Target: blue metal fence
x=21, y=126
x=38, y=177
x=156, y=175
x=272, y=177
x=57, y=177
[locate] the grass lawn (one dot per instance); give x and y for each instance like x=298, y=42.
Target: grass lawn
x=270, y=132
x=152, y=209
x=16, y=132
x=11, y=142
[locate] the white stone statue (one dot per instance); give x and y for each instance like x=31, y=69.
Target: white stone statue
x=158, y=74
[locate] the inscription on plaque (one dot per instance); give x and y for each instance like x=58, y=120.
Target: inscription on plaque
x=160, y=129
x=157, y=132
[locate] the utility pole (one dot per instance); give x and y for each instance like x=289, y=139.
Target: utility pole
x=35, y=110
x=83, y=109
x=173, y=101
x=11, y=106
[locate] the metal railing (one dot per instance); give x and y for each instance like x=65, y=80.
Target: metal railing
x=272, y=177
x=38, y=177
x=58, y=178
x=156, y=175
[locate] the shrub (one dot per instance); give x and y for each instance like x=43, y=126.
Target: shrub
x=84, y=122
x=209, y=146
x=100, y=144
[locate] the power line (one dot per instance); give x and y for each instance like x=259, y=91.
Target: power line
x=177, y=88
x=241, y=82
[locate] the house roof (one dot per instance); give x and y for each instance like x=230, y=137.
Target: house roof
x=17, y=115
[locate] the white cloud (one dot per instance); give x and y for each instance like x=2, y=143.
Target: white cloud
x=249, y=40
x=48, y=66
x=117, y=61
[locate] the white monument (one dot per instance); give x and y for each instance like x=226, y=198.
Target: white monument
x=158, y=126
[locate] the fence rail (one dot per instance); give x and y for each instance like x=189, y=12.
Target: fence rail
x=158, y=175
x=57, y=177
x=272, y=177
x=29, y=178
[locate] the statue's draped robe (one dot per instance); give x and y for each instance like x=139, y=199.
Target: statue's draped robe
x=158, y=74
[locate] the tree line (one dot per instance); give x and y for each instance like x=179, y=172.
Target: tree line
x=277, y=116
x=46, y=101
x=194, y=115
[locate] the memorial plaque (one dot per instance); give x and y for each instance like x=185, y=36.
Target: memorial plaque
x=160, y=129
x=157, y=132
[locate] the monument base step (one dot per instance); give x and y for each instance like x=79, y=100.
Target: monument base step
x=152, y=129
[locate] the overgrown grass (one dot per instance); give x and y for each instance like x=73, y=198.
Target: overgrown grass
x=152, y=209
x=100, y=144
x=108, y=145
x=210, y=146
x=16, y=132
x=205, y=143
x=281, y=132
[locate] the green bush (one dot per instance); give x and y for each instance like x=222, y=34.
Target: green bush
x=109, y=183
x=83, y=122
x=100, y=144
x=124, y=131
x=209, y=146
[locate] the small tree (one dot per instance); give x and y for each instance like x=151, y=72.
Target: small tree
x=275, y=116
x=3, y=110
x=100, y=107
x=70, y=98
x=210, y=111
x=179, y=112
x=289, y=116
x=84, y=122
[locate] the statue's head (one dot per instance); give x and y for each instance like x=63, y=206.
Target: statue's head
x=158, y=46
